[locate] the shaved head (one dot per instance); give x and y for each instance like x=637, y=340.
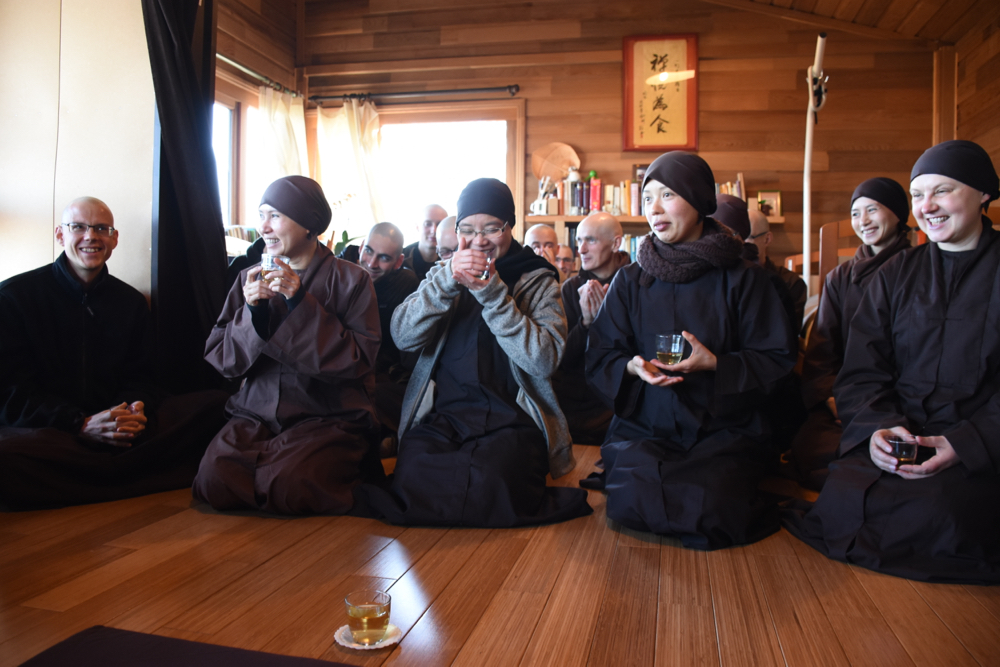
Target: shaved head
x=598, y=237
x=541, y=237
x=382, y=251
x=602, y=224
x=92, y=203
x=391, y=232
x=447, y=239
x=87, y=250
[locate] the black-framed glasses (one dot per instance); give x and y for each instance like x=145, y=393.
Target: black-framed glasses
x=490, y=232
x=756, y=236
x=82, y=227
x=446, y=253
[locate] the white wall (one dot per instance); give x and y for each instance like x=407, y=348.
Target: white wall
x=76, y=119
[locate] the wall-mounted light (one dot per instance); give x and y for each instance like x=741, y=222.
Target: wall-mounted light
x=670, y=77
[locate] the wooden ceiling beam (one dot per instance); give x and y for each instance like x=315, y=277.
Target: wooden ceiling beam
x=820, y=21
x=469, y=62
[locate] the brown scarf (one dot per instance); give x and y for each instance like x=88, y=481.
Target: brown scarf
x=867, y=262
x=684, y=262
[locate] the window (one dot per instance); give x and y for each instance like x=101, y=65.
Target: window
x=430, y=163
x=481, y=139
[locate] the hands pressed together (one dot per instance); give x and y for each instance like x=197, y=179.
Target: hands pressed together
x=701, y=359
x=283, y=281
x=592, y=295
x=881, y=453
x=116, y=426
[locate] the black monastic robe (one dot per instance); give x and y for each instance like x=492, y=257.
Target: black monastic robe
x=587, y=415
x=414, y=261
x=924, y=353
x=68, y=352
x=816, y=443
x=302, y=430
x=685, y=460
x=392, y=370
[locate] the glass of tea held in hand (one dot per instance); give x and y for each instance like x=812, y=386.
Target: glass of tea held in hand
x=269, y=265
x=904, y=449
x=669, y=348
x=368, y=615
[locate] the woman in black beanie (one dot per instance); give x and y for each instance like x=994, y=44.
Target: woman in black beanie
x=688, y=445
x=302, y=431
x=922, y=365
x=880, y=208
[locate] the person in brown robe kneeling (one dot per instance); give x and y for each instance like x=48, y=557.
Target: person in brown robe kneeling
x=923, y=364
x=880, y=208
x=302, y=431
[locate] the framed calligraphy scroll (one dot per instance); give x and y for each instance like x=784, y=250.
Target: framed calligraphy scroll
x=662, y=115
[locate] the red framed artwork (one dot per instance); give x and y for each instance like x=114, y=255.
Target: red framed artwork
x=661, y=114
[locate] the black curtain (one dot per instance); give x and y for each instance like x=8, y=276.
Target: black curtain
x=189, y=251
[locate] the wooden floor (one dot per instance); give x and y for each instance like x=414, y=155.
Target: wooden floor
x=579, y=593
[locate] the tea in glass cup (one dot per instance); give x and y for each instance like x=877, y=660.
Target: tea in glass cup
x=368, y=615
x=269, y=265
x=669, y=348
x=903, y=449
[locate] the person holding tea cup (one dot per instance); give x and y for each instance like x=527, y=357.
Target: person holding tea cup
x=302, y=431
x=922, y=362
x=688, y=444
x=489, y=329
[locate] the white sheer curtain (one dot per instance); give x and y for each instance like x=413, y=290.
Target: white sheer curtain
x=347, y=146
x=276, y=146
x=285, y=141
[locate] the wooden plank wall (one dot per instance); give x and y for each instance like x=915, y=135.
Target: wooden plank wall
x=979, y=86
x=566, y=59
x=259, y=34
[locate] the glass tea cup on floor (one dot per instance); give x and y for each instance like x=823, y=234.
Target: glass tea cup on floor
x=669, y=348
x=368, y=615
x=269, y=265
x=904, y=448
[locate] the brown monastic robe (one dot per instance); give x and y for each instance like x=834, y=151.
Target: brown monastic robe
x=302, y=430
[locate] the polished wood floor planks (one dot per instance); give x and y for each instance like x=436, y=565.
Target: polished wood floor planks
x=583, y=592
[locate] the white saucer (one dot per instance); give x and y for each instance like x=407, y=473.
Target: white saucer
x=343, y=637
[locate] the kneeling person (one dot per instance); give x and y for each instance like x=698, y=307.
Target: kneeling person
x=80, y=418
x=302, y=431
x=489, y=328
x=921, y=364
x=688, y=444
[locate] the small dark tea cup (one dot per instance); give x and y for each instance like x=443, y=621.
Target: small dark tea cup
x=904, y=450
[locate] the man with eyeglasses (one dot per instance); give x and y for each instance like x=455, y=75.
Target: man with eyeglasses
x=420, y=256
x=543, y=240
x=599, y=236
x=489, y=327
x=761, y=236
x=565, y=262
x=381, y=255
x=447, y=239
x=80, y=420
